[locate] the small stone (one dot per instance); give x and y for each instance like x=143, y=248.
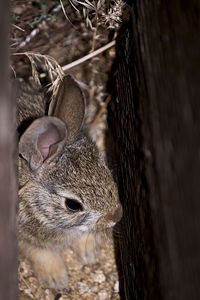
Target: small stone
x=34, y=283
x=113, y=276
x=94, y=289
x=116, y=287
x=87, y=296
x=99, y=276
x=86, y=270
x=82, y=288
x=17, y=10
x=47, y=294
x=23, y=269
x=63, y=297
x=103, y=295
x=28, y=292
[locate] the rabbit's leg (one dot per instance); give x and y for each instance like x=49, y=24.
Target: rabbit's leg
x=87, y=247
x=48, y=267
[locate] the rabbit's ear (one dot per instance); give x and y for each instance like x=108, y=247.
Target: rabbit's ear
x=42, y=140
x=69, y=105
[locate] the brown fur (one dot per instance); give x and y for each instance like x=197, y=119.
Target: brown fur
x=69, y=167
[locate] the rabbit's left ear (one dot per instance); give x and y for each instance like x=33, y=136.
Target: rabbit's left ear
x=42, y=140
x=69, y=106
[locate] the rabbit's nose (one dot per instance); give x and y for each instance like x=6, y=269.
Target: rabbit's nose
x=116, y=215
x=110, y=218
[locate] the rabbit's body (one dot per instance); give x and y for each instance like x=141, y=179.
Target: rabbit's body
x=66, y=191
x=32, y=103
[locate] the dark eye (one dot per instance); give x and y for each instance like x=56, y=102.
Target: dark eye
x=73, y=205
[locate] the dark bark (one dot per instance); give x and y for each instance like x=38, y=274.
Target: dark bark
x=155, y=122
x=8, y=159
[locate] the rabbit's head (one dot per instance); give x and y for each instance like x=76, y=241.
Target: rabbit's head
x=69, y=187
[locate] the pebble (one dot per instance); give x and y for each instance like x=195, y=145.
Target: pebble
x=28, y=293
x=64, y=297
x=86, y=269
x=82, y=287
x=99, y=276
x=94, y=289
x=116, y=287
x=17, y=9
x=113, y=276
x=48, y=294
x=103, y=295
x=23, y=269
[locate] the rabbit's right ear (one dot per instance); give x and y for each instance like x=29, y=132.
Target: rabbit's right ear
x=69, y=105
x=42, y=140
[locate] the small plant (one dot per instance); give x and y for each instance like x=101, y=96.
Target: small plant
x=101, y=13
x=53, y=69
x=37, y=20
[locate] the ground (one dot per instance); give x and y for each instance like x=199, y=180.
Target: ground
x=97, y=281
x=67, y=34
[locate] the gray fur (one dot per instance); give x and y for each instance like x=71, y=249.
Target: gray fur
x=74, y=169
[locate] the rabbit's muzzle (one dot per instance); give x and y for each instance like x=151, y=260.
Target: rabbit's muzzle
x=110, y=219
x=116, y=216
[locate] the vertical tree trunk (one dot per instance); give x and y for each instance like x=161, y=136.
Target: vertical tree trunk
x=155, y=121
x=8, y=160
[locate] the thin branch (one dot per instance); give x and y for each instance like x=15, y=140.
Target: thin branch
x=101, y=111
x=37, y=30
x=89, y=56
x=18, y=27
x=64, y=12
x=76, y=62
x=13, y=70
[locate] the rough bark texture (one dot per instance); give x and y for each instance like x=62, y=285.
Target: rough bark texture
x=155, y=123
x=8, y=190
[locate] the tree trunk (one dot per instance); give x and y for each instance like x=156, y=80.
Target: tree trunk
x=8, y=159
x=155, y=122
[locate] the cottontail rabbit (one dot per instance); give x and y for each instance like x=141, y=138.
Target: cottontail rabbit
x=65, y=189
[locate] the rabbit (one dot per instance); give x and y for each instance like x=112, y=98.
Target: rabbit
x=65, y=189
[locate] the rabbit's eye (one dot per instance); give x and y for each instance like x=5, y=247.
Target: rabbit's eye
x=73, y=205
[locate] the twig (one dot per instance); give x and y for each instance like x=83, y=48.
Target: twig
x=64, y=12
x=101, y=111
x=93, y=68
x=18, y=27
x=13, y=70
x=89, y=56
x=53, y=69
x=76, y=62
x=37, y=30
x=29, y=37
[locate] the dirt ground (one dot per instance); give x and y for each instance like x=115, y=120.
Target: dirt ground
x=96, y=281
x=68, y=34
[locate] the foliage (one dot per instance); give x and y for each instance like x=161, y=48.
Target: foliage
x=33, y=22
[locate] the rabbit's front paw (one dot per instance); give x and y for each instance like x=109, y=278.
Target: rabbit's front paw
x=50, y=269
x=87, y=247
